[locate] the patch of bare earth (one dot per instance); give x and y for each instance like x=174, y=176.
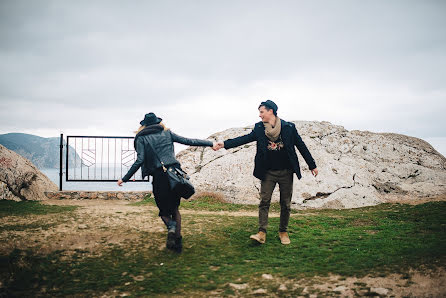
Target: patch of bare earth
x=416, y=283
x=413, y=200
x=96, y=224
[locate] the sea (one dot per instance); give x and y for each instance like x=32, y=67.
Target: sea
x=53, y=175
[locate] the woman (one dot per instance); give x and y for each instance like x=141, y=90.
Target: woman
x=154, y=136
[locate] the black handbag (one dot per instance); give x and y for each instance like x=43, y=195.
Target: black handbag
x=178, y=179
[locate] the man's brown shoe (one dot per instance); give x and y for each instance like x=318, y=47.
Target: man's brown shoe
x=284, y=238
x=260, y=237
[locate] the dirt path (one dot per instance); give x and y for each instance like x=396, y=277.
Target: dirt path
x=114, y=206
x=94, y=224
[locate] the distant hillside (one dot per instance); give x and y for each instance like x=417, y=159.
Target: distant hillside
x=42, y=152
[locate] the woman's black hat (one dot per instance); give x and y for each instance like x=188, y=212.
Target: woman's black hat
x=150, y=119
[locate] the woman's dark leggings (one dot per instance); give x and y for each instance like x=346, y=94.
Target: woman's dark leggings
x=175, y=217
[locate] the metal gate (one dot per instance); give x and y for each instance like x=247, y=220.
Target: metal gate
x=98, y=158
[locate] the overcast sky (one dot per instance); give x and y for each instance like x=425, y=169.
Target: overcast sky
x=96, y=67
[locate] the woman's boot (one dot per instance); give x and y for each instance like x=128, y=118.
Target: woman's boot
x=171, y=230
x=178, y=244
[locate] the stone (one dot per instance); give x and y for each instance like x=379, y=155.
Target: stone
x=379, y=291
x=93, y=195
x=138, y=278
x=83, y=195
x=340, y=289
x=282, y=288
x=356, y=168
x=267, y=276
x=259, y=292
x=362, y=292
x=238, y=286
x=20, y=180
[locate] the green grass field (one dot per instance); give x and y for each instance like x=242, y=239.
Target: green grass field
x=379, y=240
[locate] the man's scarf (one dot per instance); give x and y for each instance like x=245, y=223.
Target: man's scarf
x=272, y=133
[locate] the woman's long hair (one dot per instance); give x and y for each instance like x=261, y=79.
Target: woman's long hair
x=143, y=126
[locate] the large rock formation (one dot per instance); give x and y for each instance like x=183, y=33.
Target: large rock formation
x=20, y=179
x=356, y=168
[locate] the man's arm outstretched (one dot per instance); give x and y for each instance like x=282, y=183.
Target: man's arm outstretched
x=242, y=140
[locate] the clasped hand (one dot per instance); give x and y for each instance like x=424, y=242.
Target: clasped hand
x=218, y=146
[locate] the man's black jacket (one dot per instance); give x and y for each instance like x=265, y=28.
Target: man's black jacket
x=290, y=138
x=156, y=138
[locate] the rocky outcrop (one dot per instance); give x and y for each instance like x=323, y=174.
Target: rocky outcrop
x=356, y=168
x=21, y=180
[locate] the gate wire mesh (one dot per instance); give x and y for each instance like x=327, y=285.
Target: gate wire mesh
x=100, y=158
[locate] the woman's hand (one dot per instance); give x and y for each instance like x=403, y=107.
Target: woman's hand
x=314, y=172
x=120, y=182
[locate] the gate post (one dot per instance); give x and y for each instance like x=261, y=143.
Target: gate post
x=60, y=160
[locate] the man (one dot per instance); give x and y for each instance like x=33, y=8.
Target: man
x=275, y=163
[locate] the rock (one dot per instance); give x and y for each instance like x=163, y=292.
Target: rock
x=340, y=289
x=93, y=195
x=282, y=288
x=379, y=291
x=83, y=194
x=259, y=292
x=20, y=180
x=267, y=276
x=356, y=168
x=138, y=278
x=238, y=286
x=362, y=291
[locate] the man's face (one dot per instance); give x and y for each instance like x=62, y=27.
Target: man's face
x=264, y=114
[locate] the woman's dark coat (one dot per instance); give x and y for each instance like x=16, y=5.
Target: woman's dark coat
x=162, y=141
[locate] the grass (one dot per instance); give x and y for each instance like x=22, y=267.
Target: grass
x=12, y=208
x=373, y=240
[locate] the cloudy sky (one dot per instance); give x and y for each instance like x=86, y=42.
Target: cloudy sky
x=96, y=67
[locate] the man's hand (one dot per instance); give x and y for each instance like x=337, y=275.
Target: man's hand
x=314, y=172
x=120, y=182
x=218, y=146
